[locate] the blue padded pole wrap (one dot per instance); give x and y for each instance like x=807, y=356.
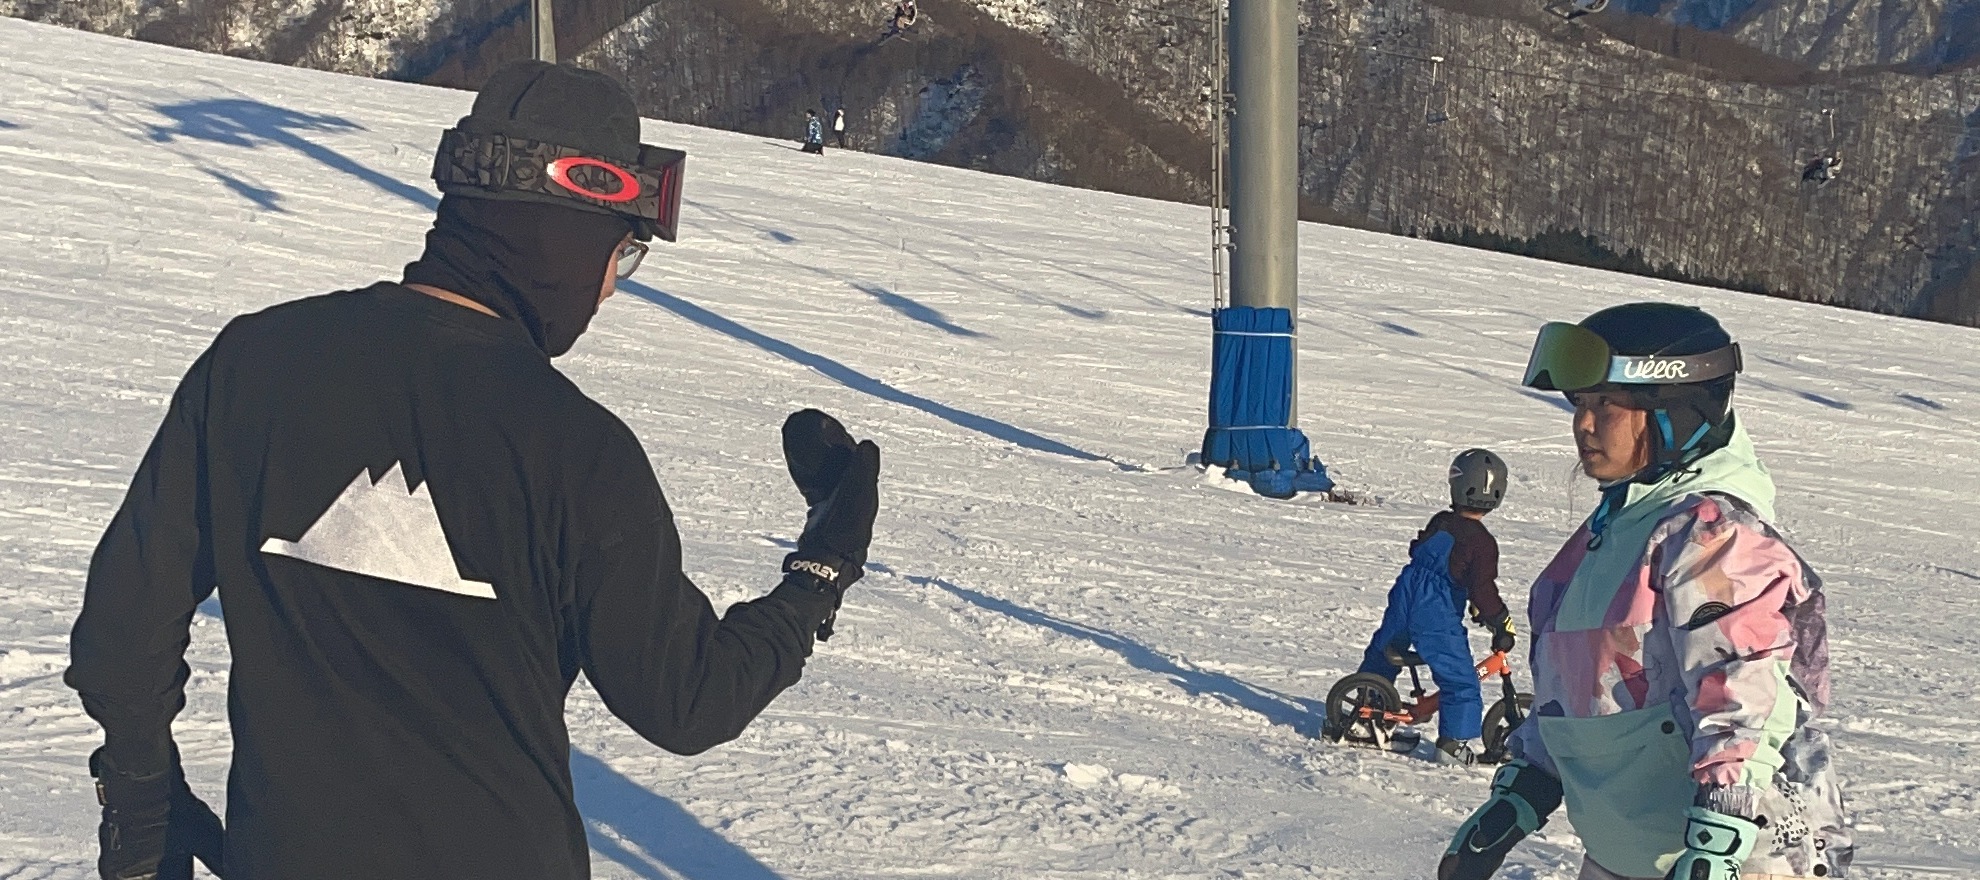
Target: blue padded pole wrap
x=1251, y=401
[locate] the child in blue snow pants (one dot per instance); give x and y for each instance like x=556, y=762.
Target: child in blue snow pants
x=1453, y=562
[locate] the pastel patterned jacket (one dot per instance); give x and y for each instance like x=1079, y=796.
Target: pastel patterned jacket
x=1679, y=650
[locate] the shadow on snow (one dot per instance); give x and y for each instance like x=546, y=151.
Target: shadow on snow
x=924, y=313
x=240, y=122
x=651, y=835
x=858, y=381
x=1299, y=714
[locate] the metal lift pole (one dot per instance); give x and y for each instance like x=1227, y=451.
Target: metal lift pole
x=1265, y=159
x=542, y=31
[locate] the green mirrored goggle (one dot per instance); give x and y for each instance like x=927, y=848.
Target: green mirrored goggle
x=1570, y=357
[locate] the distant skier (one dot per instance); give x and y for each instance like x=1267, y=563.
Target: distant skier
x=1823, y=169
x=814, y=133
x=422, y=532
x=1679, y=645
x=1453, y=562
x=839, y=126
x=905, y=14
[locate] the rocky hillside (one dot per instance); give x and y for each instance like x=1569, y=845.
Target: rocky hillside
x=1920, y=36
x=1665, y=137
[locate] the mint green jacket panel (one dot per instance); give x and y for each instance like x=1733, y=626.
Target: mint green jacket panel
x=1665, y=656
x=1623, y=779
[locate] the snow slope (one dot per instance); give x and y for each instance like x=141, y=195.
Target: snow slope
x=1075, y=658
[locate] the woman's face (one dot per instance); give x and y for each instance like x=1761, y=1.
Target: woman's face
x=1612, y=437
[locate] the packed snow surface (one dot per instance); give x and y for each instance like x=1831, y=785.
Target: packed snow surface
x=1074, y=656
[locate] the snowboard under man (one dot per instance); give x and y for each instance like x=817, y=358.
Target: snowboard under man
x=422, y=532
x=1454, y=561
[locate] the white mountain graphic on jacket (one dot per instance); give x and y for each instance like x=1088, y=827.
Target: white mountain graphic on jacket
x=386, y=530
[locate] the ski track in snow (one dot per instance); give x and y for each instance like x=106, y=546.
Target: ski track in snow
x=1072, y=658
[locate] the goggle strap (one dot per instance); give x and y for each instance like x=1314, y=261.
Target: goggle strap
x=1703, y=429
x=499, y=162
x=1681, y=369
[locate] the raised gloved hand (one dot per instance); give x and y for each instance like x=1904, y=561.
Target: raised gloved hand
x=153, y=825
x=1501, y=628
x=1715, y=845
x=1523, y=796
x=840, y=481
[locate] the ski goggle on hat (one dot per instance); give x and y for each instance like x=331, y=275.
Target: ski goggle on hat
x=1570, y=357
x=647, y=193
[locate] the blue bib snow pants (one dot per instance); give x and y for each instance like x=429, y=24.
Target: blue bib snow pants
x=1426, y=609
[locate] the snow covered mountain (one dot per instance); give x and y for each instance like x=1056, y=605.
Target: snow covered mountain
x=1074, y=657
x=1664, y=136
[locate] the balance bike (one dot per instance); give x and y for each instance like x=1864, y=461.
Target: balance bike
x=1364, y=709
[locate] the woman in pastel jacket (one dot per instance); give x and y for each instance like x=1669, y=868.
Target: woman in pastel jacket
x=1679, y=648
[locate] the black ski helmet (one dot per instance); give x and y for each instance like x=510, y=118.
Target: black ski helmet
x=1666, y=345
x=1478, y=480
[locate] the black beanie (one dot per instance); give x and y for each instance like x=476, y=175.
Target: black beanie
x=554, y=103
x=536, y=258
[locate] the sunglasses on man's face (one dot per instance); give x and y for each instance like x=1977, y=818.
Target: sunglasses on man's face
x=629, y=256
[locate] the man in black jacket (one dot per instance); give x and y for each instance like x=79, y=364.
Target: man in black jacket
x=421, y=532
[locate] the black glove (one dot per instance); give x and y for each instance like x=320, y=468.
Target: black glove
x=1501, y=628
x=1523, y=796
x=840, y=481
x=153, y=825
x=816, y=450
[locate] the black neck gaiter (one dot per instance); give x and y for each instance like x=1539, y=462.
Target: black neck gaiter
x=538, y=264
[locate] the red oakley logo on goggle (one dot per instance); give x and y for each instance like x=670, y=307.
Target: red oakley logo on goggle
x=628, y=185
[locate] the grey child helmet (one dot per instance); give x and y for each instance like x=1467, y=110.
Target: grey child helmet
x=1478, y=480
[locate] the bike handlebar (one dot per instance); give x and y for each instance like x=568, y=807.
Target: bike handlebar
x=1496, y=663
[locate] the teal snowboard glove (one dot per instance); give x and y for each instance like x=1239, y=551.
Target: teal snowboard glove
x=1715, y=845
x=1523, y=796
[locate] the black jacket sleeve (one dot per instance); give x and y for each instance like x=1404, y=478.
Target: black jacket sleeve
x=1481, y=574
x=652, y=645
x=151, y=570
